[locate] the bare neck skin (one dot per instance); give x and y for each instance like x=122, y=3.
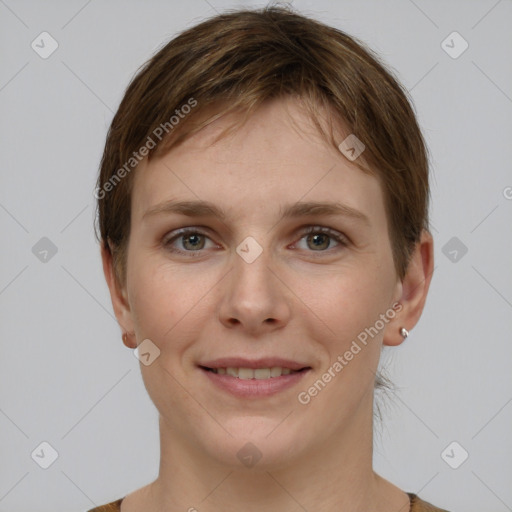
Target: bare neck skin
x=337, y=475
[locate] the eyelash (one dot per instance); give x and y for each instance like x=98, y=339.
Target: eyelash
x=167, y=243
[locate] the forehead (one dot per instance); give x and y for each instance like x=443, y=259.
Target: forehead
x=277, y=157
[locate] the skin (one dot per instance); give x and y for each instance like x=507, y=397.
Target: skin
x=295, y=300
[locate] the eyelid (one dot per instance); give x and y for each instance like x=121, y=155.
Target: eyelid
x=175, y=233
x=314, y=228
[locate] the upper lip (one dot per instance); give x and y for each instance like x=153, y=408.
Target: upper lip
x=265, y=362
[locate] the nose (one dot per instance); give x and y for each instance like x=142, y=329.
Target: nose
x=255, y=299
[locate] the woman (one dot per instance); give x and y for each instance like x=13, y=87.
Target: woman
x=263, y=214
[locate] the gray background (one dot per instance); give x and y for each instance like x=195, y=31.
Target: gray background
x=67, y=379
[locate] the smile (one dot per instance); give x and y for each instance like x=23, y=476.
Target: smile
x=253, y=383
x=253, y=373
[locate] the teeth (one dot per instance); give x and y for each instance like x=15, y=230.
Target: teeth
x=276, y=371
x=232, y=371
x=245, y=373
x=250, y=373
x=262, y=373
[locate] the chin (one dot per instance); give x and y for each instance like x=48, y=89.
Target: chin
x=256, y=443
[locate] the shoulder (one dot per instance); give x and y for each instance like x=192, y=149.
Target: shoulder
x=418, y=505
x=114, y=506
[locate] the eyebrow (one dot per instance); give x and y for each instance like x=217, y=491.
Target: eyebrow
x=302, y=209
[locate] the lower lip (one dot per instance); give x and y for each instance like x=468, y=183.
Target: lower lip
x=254, y=388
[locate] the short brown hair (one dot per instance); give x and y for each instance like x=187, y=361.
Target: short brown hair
x=234, y=62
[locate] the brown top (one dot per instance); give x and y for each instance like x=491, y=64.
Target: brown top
x=417, y=505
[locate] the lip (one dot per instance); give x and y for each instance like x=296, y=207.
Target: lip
x=265, y=362
x=254, y=388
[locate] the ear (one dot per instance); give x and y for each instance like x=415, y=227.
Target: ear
x=414, y=290
x=118, y=296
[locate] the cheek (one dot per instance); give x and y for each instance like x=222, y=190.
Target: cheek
x=165, y=301
x=163, y=309
x=341, y=305
x=156, y=302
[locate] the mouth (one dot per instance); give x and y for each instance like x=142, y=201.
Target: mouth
x=253, y=379
x=254, y=373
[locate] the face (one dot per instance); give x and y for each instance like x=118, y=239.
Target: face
x=259, y=278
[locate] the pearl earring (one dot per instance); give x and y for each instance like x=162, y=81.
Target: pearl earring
x=404, y=332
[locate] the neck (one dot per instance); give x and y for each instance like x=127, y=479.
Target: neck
x=335, y=474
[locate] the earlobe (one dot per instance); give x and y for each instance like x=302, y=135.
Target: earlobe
x=415, y=286
x=127, y=341
x=117, y=292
